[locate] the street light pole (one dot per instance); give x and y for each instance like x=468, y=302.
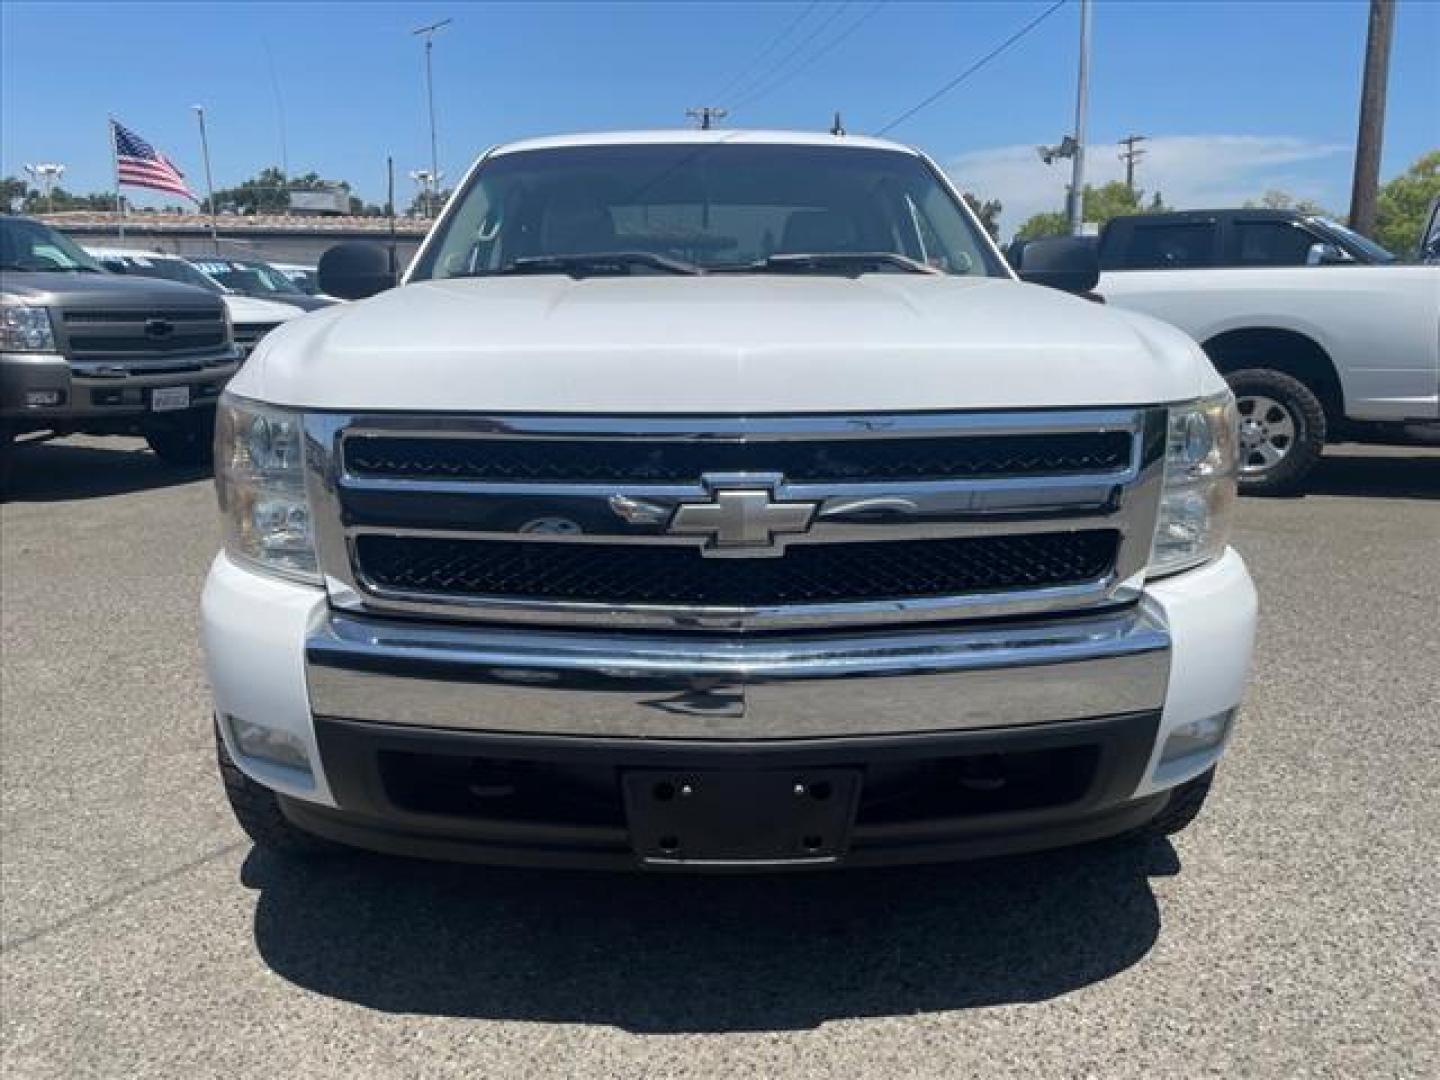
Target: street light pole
x=429, y=32
x=209, y=180
x=1082, y=96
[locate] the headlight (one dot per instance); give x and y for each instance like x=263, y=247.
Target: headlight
x=26, y=329
x=260, y=479
x=1198, y=500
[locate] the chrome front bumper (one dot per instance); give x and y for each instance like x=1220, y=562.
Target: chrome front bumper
x=619, y=685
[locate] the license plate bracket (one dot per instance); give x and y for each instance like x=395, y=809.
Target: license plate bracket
x=169, y=398
x=740, y=817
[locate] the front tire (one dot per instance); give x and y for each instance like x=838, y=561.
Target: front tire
x=258, y=811
x=1183, y=807
x=1282, y=430
x=186, y=441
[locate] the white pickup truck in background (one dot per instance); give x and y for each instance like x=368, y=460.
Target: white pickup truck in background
x=1315, y=354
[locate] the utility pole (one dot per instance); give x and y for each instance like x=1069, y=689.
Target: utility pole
x=1372, y=116
x=429, y=32
x=209, y=180
x=1130, y=155
x=1082, y=96
x=707, y=115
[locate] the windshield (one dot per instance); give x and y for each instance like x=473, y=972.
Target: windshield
x=169, y=269
x=1369, y=248
x=248, y=276
x=713, y=206
x=31, y=247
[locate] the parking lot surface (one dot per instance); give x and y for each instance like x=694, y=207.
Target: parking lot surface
x=1294, y=930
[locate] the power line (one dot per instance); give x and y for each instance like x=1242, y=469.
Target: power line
x=817, y=55
x=973, y=68
x=740, y=76
x=749, y=92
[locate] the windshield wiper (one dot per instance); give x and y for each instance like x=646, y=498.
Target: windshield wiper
x=853, y=263
x=608, y=262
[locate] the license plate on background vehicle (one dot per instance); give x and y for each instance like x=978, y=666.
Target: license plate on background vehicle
x=168, y=398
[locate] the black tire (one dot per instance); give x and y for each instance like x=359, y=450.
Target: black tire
x=7, y=462
x=186, y=441
x=1183, y=807
x=1302, y=414
x=258, y=811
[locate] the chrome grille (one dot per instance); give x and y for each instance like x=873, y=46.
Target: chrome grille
x=575, y=461
x=577, y=520
x=808, y=574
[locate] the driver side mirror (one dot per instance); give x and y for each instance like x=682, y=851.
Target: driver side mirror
x=1068, y=263
x=356, y=270
x=1325, y=255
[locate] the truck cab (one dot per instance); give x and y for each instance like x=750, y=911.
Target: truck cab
x=1201, y=239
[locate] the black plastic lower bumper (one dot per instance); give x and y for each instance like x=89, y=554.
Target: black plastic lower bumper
x=787, y=804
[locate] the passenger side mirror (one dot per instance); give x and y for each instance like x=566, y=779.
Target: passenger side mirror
x=1068, y=263
x=1325, y=255
x=356, y=270
x=115, y=266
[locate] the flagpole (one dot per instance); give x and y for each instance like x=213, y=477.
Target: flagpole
x=115, y=164
x=209, y=183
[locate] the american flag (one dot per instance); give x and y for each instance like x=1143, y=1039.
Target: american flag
x=139, y=164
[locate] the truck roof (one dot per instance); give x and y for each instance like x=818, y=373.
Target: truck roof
x=693, y=135
x=1239, y=212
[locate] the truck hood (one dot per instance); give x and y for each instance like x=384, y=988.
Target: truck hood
x=102, y=290
x=718, y=344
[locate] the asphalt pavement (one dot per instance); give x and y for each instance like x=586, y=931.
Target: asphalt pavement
x=1294, y=930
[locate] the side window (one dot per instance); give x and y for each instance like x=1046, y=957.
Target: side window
x=1271, y=243
x=1170, y=246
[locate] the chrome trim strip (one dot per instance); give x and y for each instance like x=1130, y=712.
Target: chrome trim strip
x=747, y=428
x=421, y=674
x=1126, y=501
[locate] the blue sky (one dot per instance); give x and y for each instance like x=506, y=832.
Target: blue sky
x=1237, y=97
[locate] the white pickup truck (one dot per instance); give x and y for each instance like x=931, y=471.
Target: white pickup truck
x=1317, y=353
x=721, y=499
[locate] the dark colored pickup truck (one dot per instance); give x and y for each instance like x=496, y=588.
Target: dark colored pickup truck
x=1199, y=239
x=82, y=350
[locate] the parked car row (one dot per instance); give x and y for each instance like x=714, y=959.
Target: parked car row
x=123, y=341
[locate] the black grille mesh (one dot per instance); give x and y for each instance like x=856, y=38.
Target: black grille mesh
x=823, y=460
x=806, y=574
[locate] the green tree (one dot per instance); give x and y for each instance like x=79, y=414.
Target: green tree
x=1404, y=202
x=1099, y=205
x=988, y=212
x=419, y=205
x=12, y=192
x=1275, y=199
x=268, y=191
x=1047, y=223
x=62, y=200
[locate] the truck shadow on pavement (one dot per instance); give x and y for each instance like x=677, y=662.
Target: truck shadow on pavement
x=59, y=470
x=669, y=954
x=1389, y=476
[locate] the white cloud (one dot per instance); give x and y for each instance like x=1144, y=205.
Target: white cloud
x=1189, y=171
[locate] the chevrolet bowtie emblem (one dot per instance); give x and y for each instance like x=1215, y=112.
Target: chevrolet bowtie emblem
x=742, y=520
